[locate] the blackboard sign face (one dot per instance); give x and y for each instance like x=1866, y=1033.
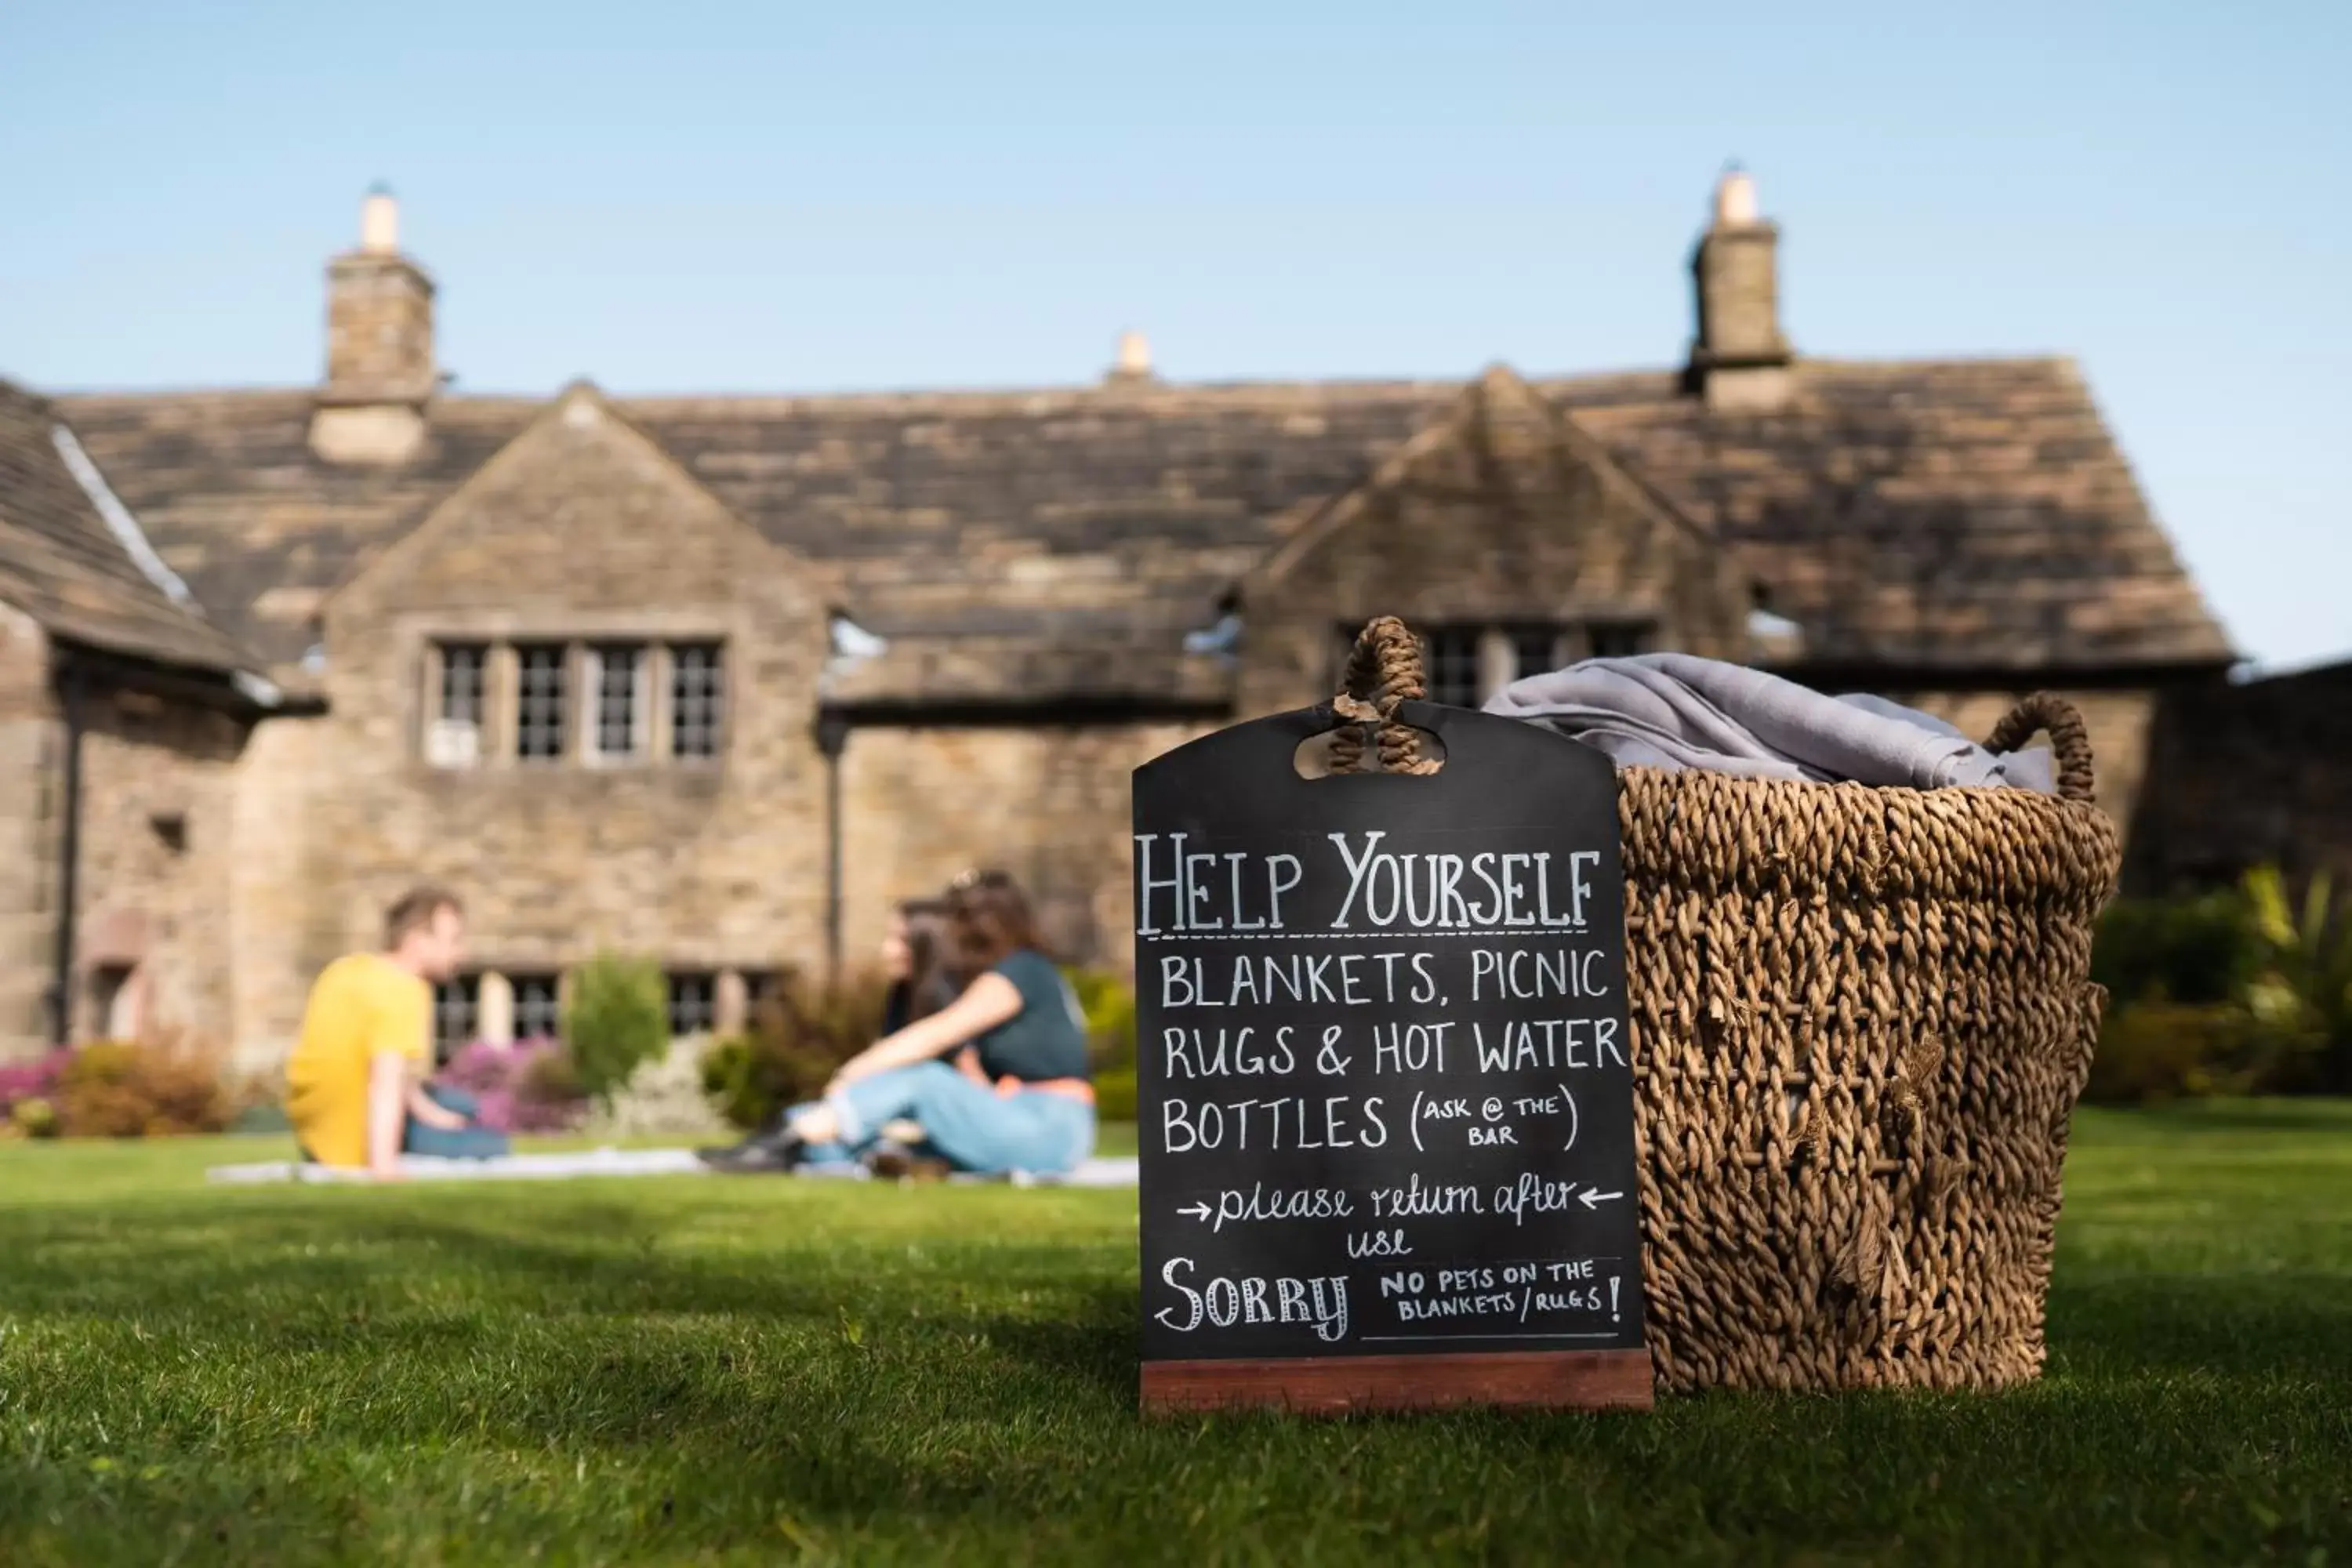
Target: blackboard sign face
x=1385, y=1107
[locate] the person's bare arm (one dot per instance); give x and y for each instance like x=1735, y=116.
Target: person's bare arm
x=422, y=1107
x=987, y=1001
x=387, y=1109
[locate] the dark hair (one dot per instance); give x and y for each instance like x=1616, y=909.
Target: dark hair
x=416, y=910
x=930, y=982
x=990, y=919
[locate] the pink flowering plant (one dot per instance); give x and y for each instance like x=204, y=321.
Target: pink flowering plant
x=29, y=1093
x=527, y=1087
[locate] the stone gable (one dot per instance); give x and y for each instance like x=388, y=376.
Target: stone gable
x=581, y=537
x=1502, y=516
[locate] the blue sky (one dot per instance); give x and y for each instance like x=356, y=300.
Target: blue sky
x=797, y=198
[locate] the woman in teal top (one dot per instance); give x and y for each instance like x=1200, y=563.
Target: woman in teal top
x=1017, y=1095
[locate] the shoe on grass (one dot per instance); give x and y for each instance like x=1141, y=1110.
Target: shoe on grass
x=896, y=1162
x=758, y=1156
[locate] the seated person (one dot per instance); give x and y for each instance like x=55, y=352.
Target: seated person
x=914, y=961
x=354, y=1085
x=1018, y=1101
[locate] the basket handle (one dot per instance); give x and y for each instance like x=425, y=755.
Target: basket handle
x=2069, y=737
x=1383, y=669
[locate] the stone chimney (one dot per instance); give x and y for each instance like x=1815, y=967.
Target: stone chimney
x=380, y=370
x=1133, y=364
x=1739, y=361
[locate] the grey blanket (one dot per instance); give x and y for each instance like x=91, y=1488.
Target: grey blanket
x=1677, y=710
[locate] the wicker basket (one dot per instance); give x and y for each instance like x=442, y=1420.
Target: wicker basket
x=1861, y=1018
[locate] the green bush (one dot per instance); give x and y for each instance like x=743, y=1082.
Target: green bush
x=798, y=1039
x=2155, y=1051
x=1115, y=1094
x=2243, y=991
x=617, y=1019
x=2199, y=952
x=2305, y=989
x=1109, y=1003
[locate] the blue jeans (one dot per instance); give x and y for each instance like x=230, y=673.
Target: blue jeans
x=970, y=1124
x=459, y=1144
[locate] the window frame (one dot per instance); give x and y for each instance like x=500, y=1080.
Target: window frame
x=517, y=981
x=1620, y=637
x=595, y=668
x=560, y=704
x=466, y=989
x=1438, y=657
x=1525, y=636
x=674, y=984
x=719, y=698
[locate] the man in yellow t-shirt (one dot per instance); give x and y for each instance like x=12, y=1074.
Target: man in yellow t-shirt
x=354, y=1085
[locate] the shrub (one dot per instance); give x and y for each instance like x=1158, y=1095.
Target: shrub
x=527, y=1086
x=28, y=1095
x=799, y=1036
x=2304, y=988
x=1109, y=1003
x=1115, y=1094
x=143, y=1088
x=2155, y=1051
x=618, y=1017
x=2201, y=952
x=664, y=1099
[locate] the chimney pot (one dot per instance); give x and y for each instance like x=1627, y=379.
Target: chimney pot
x=1735, y=200
x=1134, y=354
x=380, y=222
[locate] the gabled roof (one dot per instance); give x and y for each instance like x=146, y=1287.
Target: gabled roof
x=1956, y=514
x=77, y=561
x=1926, y=515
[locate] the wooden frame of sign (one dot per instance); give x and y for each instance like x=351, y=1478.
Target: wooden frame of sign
x=1386, y=1112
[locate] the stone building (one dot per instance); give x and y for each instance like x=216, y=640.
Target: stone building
x=123, y=712
x=719, y=679
x=2247, y=774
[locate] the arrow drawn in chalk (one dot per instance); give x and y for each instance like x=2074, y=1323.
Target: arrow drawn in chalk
x=1572, y=1118
x=1593, y=1200
x=1198, y=1211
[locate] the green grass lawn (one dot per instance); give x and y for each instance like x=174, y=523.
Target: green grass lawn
x=758, y=1370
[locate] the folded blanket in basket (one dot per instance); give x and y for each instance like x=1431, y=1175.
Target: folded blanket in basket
x=1676, y=710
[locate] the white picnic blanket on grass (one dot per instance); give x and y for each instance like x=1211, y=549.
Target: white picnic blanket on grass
x=1095, y=1172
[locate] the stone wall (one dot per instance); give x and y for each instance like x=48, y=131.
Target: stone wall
x=279, y=916
x=156, y=847
x=1050, y=805
x=581, y=532
x=2117, y=721
x=154, y=943
x=29, y=736
x=2247, y=775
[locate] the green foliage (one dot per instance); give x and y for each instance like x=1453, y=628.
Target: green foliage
x=618, y=1018
x=2155, y=1051
x=2197, y=951
x=1115, y=1094
x=798, y=1039
x=2240, y=992
x=1109, y=1003
x=2305, y=989
x=732, y=1081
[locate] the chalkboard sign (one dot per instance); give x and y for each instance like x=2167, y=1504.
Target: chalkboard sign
x=1384, y=1102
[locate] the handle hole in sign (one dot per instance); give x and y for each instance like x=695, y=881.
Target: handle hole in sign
x=1313, y=758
